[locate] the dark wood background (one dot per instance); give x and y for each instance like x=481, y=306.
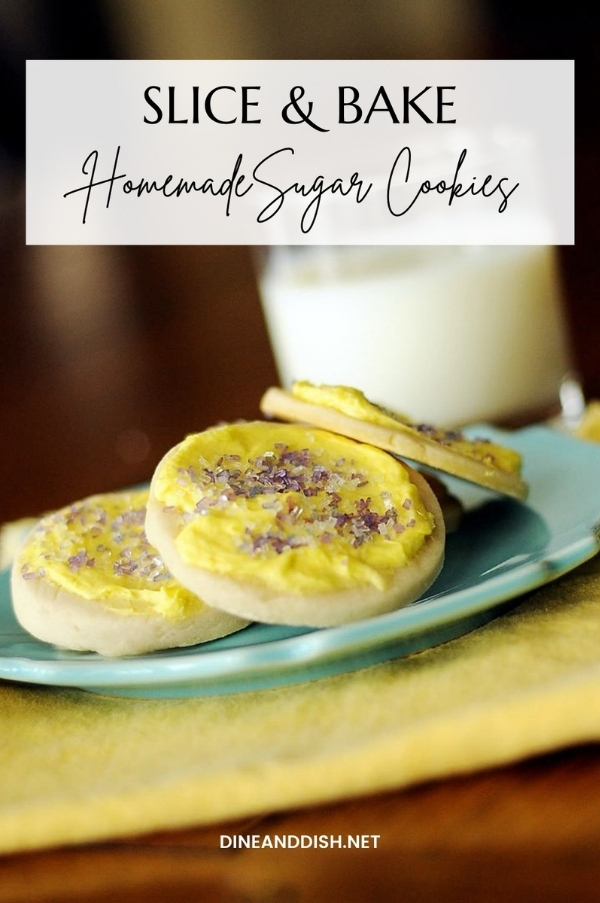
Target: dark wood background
x=111, y=355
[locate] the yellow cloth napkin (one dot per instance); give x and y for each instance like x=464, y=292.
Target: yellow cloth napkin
x=79, y=767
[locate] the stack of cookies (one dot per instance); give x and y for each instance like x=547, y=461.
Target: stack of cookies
x=312, y=517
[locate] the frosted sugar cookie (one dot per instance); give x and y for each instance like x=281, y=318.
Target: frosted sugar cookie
x=347, y=411
x=283, y=524
x=87, y=579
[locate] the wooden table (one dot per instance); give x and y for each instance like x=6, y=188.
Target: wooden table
x=109, y=357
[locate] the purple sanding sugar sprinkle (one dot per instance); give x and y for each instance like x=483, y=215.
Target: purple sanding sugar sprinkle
x=447, y=437
x=28, y=574
x=357, y=527
x=80, y=560
x=133, y=556
x=271, y=541
x=281, y=471
x=135, y=517
x=439, y=435
x=125, y=568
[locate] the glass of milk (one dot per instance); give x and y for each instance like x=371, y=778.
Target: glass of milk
x=447, y=335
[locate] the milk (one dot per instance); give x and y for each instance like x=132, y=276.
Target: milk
x=445, y=335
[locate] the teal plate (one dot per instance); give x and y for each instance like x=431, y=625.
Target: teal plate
x=502, y=550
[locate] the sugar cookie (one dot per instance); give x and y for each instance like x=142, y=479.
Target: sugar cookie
x=346, y=411
x=87, y=579
x=283, y=524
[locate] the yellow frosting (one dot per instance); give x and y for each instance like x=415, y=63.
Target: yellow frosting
x=353, y=403
x=296, y=510
x=97, y=549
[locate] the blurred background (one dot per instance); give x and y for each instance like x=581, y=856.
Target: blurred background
x=110, y=355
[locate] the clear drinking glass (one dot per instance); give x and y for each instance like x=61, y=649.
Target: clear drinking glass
x=447, y=335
